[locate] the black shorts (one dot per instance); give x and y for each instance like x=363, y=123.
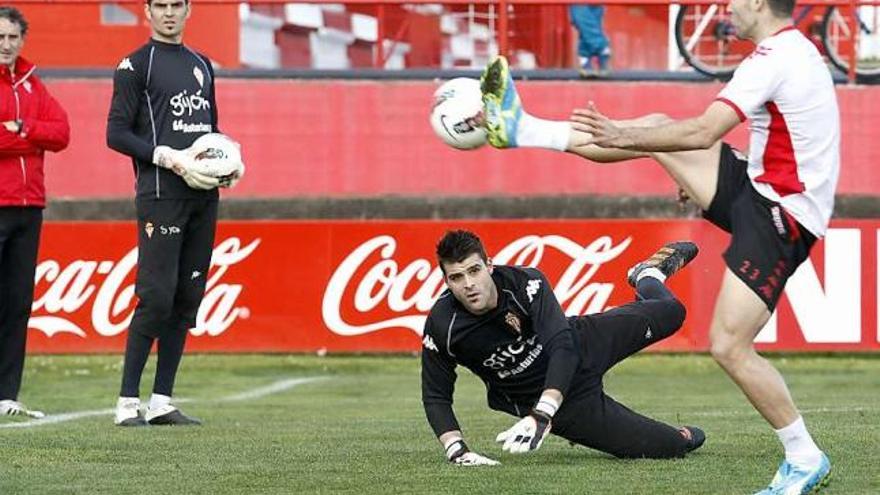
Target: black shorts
x=767, y=244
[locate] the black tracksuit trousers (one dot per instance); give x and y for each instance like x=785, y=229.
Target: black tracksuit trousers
x=175, y=241
x=594, y=419
x=19, y=241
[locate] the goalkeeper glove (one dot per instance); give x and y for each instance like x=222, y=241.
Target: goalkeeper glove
x=458, y=453
x=180, y=162
x=529, y=432
x=229, y=181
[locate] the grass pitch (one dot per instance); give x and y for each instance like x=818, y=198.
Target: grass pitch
x=361, y=429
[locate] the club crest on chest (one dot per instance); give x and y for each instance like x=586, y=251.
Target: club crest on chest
x=513, y=322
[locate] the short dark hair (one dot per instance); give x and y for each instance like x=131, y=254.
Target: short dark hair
x=781, y=8
x=456, y=245
x=150, y=2
x=14, y=16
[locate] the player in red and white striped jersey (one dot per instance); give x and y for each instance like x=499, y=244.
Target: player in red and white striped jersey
x=785, y=91
x=775, y=204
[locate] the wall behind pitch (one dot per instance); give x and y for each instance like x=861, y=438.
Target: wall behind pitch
x=365, y=138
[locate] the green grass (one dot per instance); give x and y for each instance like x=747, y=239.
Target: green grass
x=362, y=430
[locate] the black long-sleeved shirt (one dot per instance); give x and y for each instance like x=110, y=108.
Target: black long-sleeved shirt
x=522, y=347
x=163, y=94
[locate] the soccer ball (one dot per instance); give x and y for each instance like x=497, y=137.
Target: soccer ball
x=457, y=114
x=216, y=155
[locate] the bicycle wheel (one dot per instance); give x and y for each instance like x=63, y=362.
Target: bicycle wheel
x=837, y=40
x=707, y=41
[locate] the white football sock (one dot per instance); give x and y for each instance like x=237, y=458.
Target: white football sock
x=533, y=132
x=123, y=401
x=158, y=400
x=800, y=449
x=651, y=272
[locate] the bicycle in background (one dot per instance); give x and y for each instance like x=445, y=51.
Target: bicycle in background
x=707, y=40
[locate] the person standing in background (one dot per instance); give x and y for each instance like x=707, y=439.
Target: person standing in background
x=33, y=122
x=163, y=100
x=592, y=41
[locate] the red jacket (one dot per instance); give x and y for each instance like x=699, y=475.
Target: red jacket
x=44, y=128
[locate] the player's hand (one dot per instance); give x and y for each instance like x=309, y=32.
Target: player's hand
x=601, y=130
x=232, y=179
x=527, y=434
x=474, y=459
x=197, y=180
x=459, y=454
x=181, y=162
x=170, y=158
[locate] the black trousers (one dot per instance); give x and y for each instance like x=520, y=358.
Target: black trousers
x=175, y=241
x=19, y=241
x=591, y=417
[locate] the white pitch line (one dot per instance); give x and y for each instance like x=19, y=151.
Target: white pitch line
x=749, y=412
x=272, y=388
x=58, y=418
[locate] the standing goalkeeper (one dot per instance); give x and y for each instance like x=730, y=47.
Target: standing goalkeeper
x=163, y=99
x=505, y=325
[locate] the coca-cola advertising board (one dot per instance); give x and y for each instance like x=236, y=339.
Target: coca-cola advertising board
x=366, y=286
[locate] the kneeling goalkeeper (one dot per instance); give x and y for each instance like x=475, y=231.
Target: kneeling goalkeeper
x=504, y=324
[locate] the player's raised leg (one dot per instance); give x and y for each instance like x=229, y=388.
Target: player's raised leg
x=508, y=125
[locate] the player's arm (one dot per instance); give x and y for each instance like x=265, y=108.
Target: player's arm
x=556, y=336
x=215, y=123
x=678, y=135
x=229, y=181
x=438, y=386
x=128, y=90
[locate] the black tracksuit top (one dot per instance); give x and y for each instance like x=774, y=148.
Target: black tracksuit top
x=163, y=94
x=523, y=346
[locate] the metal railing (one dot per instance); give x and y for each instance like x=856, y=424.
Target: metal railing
x=502, y=10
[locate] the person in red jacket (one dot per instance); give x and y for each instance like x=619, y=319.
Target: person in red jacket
x=31, y=123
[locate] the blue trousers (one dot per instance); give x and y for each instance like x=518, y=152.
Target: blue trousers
x=592, y=42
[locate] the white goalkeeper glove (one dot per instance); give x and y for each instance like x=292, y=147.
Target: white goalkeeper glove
x=229, y=181
x=459, y=454
x=529, y=432
x=181, y=163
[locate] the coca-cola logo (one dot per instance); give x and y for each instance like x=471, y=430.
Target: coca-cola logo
x=62, y=291
x=387, y=282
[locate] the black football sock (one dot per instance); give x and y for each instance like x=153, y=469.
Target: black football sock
x=652, y=288
x=137, y=350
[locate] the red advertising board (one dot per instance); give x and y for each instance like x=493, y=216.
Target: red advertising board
x=352, y=286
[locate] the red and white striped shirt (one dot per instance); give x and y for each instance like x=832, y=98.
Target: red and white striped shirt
x=785, y=90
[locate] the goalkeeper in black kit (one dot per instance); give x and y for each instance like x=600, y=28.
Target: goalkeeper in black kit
x=163, y=100
x=504, y=324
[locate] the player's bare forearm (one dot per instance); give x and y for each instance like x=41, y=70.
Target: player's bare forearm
x=683, y=135
x=690, y=134
x=578, y=143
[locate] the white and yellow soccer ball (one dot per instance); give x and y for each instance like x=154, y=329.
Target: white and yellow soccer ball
x=217, y=155
x=457, y=114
